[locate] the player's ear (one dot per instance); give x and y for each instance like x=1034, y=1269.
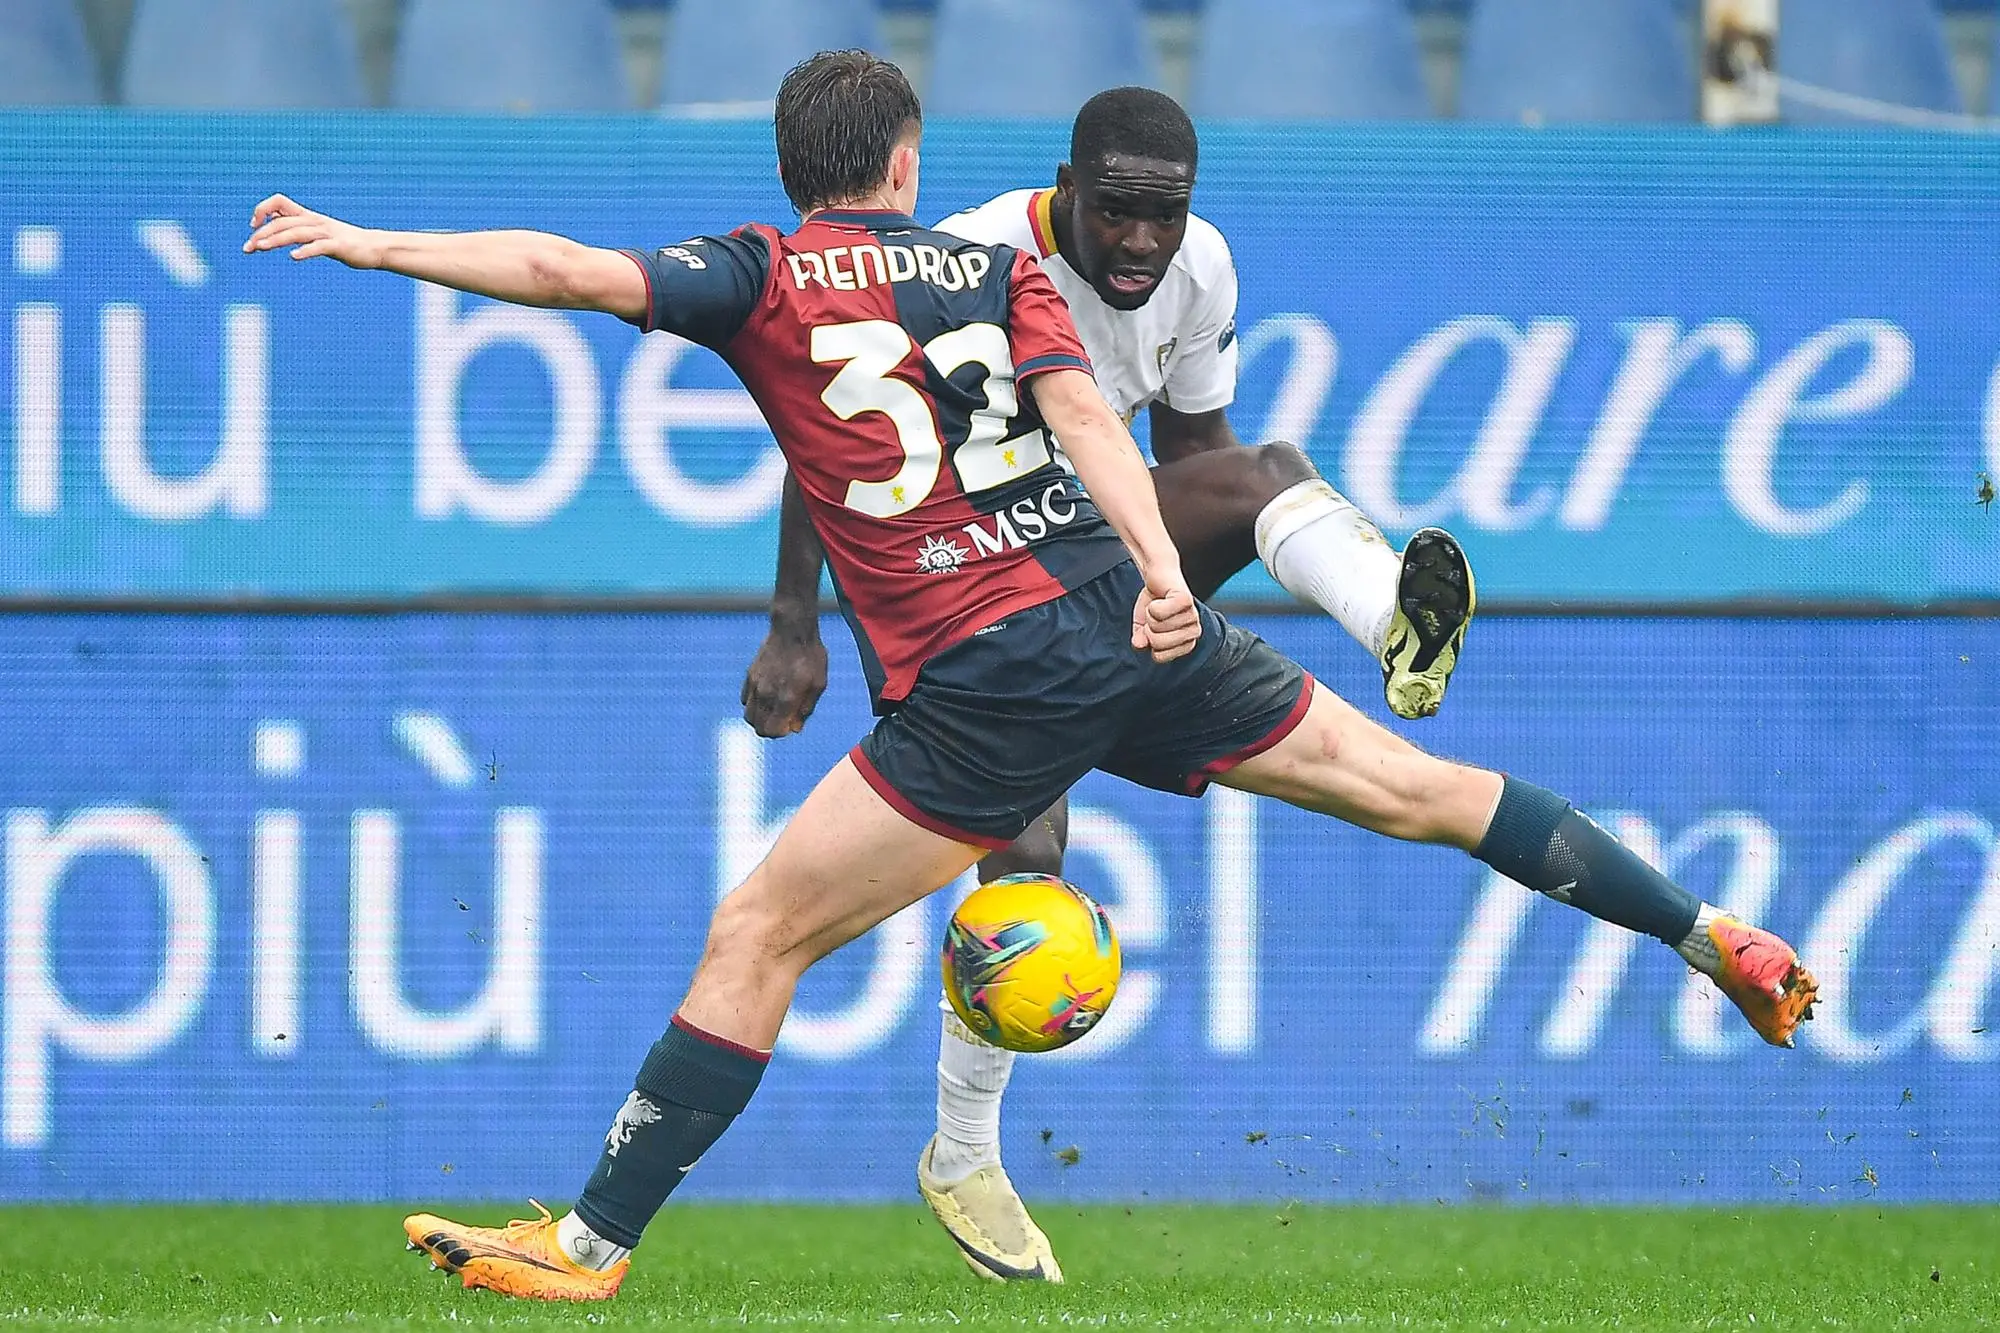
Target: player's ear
x=903, y=167
x=1065, y=199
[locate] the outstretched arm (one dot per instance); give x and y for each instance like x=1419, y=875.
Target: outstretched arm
x=788, y=675
x=1165, y=621
x=525, y=267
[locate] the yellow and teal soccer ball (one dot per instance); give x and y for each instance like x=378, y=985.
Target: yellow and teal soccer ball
x=1030, y=962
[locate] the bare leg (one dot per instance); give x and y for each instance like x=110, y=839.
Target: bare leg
x=1038, y=851
x=845, y=863
x=1227, y=507
x=1339, y=763
x=1211, y=501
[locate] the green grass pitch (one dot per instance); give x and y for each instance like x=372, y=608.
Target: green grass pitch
x=1188, y=1268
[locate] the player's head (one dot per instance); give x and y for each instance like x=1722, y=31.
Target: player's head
x=848, y=124
x=1123, y=195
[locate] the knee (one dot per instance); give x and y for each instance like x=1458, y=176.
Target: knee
x=748, y=931
x=1281, y=465
x=1261, y=473
x=1423, y=798
x=1239, y=483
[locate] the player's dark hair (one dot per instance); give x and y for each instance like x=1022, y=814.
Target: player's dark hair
x=840, y=115
x=1132, y=122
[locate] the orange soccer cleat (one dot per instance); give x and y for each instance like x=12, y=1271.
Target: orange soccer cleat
x=522, y=1259
x=1761, y=974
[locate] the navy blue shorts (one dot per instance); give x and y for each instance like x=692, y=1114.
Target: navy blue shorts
x=998, y=727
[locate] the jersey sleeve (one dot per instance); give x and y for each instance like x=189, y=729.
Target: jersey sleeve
x=704, y=289
x=988, y=224
x=1203, y=377
x=1040, y=332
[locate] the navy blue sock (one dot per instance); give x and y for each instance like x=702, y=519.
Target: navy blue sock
x=1540, y=840
x=691, y=1086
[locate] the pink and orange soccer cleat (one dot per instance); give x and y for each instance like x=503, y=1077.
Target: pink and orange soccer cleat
x=522, y=1259
x=1761, y=974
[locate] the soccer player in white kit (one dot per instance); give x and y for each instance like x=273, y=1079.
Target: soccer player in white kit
x=1152, y=290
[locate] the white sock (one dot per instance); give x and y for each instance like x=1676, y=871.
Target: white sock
x=1324, y=551
x=971, y=1078
x=585, y=1246
x=1698, y=948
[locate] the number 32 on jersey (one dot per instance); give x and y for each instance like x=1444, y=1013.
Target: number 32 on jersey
x=869, y=352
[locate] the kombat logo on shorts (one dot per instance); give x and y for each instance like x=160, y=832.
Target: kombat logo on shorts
x=1022, y=523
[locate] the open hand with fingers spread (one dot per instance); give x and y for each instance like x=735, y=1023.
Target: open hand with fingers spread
x=278, y=222
x=1166, y=622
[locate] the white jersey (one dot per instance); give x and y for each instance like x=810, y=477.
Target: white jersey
x=1178, y=349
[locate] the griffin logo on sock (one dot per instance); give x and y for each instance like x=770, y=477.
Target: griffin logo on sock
x=634, y=1114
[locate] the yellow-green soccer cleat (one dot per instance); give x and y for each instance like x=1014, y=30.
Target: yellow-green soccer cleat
x=1434, y=602
x=986, y=1218
x=522, y=1259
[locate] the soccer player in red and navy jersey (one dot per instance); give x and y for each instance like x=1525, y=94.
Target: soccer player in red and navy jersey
x=1018, y=628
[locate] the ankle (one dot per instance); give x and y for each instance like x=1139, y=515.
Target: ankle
x=954, y=1159
x=584, y=1247
x=1698, y=948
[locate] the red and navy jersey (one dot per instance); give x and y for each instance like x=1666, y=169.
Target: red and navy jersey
x=889, y=361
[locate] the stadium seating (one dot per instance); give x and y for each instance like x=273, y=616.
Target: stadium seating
x=730, y=51
x=1306, y=59
x=510, y=55
x=242, y=53
x=1034, y=57
x=1577, y=60
x=45, y=57
x=1518, y=60
x=925, y=6
x=1892, y=50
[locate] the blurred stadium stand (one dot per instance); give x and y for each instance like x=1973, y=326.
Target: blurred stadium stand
x=246, y=54
x=1936, y=54
x=1034, y=57
x=45, y=55
x=1308, y=59
x=735, y=51
x=1889, y=50
x=1547, y=61
x=510, y=55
